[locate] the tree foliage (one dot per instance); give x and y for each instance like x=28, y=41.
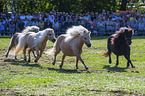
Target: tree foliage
x=76, y=6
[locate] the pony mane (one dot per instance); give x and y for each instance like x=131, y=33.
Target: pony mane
x=40, y=36
x=30, y=28
x=75, y=31
x=122, y=30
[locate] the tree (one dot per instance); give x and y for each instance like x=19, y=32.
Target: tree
x=123, y=5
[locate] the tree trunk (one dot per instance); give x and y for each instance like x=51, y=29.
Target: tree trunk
x=123, y=5
x=1, y=6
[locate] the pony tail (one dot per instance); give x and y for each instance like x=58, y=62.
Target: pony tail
x=105, y=54
x=51, y=51
x=12, y=51
x=20, y=46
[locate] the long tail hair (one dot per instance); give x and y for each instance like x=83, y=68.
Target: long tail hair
x=20, y=46
x=105, y=54
x=56, y=45
x=52, y=50
x=13, y=39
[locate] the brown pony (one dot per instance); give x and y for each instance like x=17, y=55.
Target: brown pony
x=71, y=44
x=36, y=42
x=15, y=40
x=119, y=43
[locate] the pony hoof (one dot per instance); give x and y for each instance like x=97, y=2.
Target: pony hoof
x=6, y=55
x=53, y=63
x=127, y=66
x=77, y=67
x=25, y=60
x=29, y=60
x=60, y=66
x=35, y=60
x=87, y=68
x=133, y=66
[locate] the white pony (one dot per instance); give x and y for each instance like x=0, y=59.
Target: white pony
x=35, y=42
x=71, y=44
x=15, y=40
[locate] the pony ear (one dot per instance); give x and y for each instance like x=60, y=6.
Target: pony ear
x=125, y=31
x=129, y=27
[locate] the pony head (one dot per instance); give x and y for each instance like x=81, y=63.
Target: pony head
x=50, y=34
x=126, y=33
x=78, y=31
x=86, y=38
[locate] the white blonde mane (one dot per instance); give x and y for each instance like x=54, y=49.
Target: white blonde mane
x=40, y=36
x=30, y=28
x=74, y=31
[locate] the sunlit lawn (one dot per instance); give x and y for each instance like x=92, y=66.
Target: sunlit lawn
x=43, y=78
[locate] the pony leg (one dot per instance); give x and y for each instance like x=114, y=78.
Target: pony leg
x=37, y=57
x=63, y=57
x=77, y=60
x=24, y=53
x=29, y=55
x=16, y=57
x=117, y=61
x=110, y=61
x=55, y=54
x=129, y=61
x=109, y=50
x=34, y=54
x=79, y=57
x=41, y=51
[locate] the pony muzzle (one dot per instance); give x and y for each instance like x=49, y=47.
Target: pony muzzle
x=88, y=44
x=129, y=41
x=53, y=40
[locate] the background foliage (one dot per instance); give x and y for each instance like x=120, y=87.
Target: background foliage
x=76, y=6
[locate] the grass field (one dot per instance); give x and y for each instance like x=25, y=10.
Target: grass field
x=43, y=78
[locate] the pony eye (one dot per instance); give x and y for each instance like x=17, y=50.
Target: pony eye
x=85, y=38
x=49, y=34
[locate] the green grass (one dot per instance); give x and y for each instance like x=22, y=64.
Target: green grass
x=43, y=78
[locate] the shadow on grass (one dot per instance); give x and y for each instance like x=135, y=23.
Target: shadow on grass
x=68, y=70
x=114, y=69
x=22, y=63
x=122, y=93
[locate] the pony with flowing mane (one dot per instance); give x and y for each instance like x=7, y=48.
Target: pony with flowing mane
x=38, y=42
x=119, y=43
x=71, y=44
x=15, y=39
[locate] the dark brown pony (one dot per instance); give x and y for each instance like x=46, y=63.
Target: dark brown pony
x=119, y=43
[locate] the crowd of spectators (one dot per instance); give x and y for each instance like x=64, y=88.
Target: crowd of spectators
x=102, y=24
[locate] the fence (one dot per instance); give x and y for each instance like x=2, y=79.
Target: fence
x=63, y=27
